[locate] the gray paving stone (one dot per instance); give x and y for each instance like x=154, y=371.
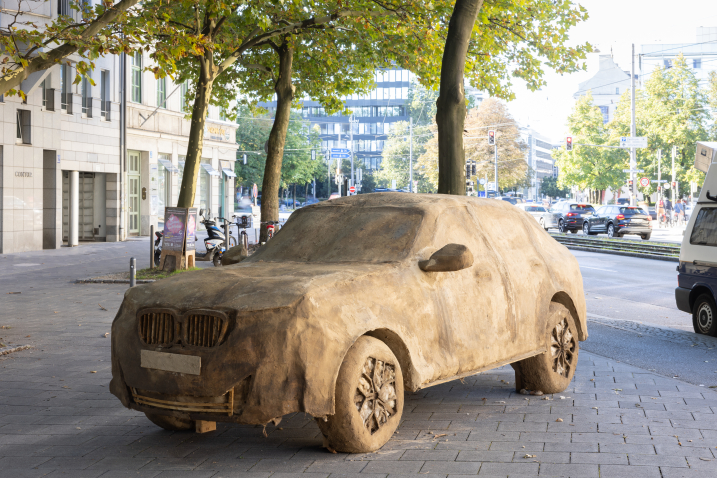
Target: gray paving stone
x=451, y=467
x=622, y=471
x=599, y=458
x=577, y=471
x=393, y=467
x=658, y=460
x=489, y=456
x=503, y=469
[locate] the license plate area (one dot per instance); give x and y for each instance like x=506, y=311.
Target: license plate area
x=179, y=363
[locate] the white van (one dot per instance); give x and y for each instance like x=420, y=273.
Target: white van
x=697, y=271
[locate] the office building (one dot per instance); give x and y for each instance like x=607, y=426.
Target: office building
x=606, y=87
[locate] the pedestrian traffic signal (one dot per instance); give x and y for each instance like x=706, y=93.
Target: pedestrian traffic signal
x=569, y=143
x=491, y=137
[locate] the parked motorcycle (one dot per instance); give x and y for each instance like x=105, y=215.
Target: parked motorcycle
x=213, y=243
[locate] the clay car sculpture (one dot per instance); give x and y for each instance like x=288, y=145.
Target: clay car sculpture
x=352, y=302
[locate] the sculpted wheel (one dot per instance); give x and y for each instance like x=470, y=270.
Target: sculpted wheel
x=704, y=315
x=369, y=399
x=552, y=371
x=173, y=424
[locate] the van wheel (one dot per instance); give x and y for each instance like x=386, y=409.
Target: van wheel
x=172, y=424
x=552, y=371
x=704, y=315
x=646, y=237
x=369, y=399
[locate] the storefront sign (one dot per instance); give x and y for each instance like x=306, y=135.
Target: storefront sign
x=23, y=174
x=175, y=222
x=216, y=132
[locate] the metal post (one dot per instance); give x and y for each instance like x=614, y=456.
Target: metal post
x=410, y=154
x=338, y=161
x=672, y=183
x=351, y=134
x=74, y=212
x=328, y=183
x=226, y=235
x=659, y=178
x=151, y=246
x=633, y=131
x=132, y=271
x=495, y=160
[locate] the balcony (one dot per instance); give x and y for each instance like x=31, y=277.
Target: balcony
x=87, y=106
x=66, y=102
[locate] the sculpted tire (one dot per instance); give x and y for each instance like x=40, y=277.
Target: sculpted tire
x=704, y=315
x=552, y=371
x=173, y=424
x=369, y=399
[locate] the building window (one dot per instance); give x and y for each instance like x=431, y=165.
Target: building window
x=162, y=92
x=137, y=77
x=105, y=105
x=66, y=88
x=617, y=90
x=48, y=94
x=697, y=63
x=222, y=114
x=63, y=8
x=24, y=135
x=86, y=97
x=183, y=100
x=667, y=63
x=605, y=110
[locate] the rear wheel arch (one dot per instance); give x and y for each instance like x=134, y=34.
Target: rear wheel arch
x=564, y=299
x=698, y=291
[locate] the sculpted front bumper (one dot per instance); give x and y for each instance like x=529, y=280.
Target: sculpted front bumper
x=258, y=371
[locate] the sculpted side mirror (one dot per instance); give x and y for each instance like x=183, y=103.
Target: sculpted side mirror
x=450, y=258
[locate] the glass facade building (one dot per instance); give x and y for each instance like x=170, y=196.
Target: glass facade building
x=374, y=115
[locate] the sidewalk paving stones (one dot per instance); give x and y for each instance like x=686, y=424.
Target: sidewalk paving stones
x=57, y=417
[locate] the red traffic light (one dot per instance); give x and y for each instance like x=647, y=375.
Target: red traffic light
x=569, y=143
x=491, y=137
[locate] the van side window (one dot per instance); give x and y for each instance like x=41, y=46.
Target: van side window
x=704, y=232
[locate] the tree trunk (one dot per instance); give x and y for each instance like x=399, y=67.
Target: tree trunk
x=277, y=138
x=451, y=103
x=196, y=133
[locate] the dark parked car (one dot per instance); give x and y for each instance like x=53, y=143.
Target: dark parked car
x=617, y=221
x=623, y=201
x=566, y=216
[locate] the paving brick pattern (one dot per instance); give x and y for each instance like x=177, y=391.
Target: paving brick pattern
x=57, y=417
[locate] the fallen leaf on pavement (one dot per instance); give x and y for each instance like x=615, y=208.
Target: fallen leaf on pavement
x=94, y=371
x=106, y=334
x=559, y=420
x=101, y=307
x=529, y=456
x=439, y=436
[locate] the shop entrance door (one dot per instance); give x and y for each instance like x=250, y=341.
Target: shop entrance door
x=85, y=220
x=133, y=186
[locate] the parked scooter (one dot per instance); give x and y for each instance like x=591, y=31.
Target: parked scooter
x=214, y=242
x=158, y=248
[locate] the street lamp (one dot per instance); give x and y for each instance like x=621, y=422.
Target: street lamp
x=352, y=122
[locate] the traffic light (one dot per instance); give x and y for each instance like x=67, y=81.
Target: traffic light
x=674, y=184
x=569, y=143
x=491, y=137
x=473, y=168
x=468, y=169
x=629, y=183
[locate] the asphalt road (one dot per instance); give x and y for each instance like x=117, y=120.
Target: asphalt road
x=632, y=318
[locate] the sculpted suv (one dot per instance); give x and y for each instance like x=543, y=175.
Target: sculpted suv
x=352, y=302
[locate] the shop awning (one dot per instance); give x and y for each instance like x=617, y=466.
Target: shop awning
x=168, y=164
x=208, y=168
x=229, y=172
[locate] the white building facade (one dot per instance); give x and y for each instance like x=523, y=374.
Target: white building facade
x=540, y=160
x=72, y=170
x=606, y=86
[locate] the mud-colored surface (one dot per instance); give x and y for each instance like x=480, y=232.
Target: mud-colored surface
x=339, y=270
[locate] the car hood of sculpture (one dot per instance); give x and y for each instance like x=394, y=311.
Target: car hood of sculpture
x=266, y=337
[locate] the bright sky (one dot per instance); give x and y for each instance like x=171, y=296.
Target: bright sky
x=612, y=24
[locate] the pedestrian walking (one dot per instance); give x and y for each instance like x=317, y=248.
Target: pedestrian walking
x=668, y=211
x=661, y=219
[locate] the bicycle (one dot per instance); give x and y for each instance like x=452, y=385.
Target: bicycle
x=231, y=242
x=241, y=230
x=271, y=229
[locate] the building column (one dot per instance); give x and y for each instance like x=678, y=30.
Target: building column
x=74, y=211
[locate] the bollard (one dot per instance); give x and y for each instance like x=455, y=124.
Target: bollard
x=132, y=271
x=226, y=235
x=151, y=246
